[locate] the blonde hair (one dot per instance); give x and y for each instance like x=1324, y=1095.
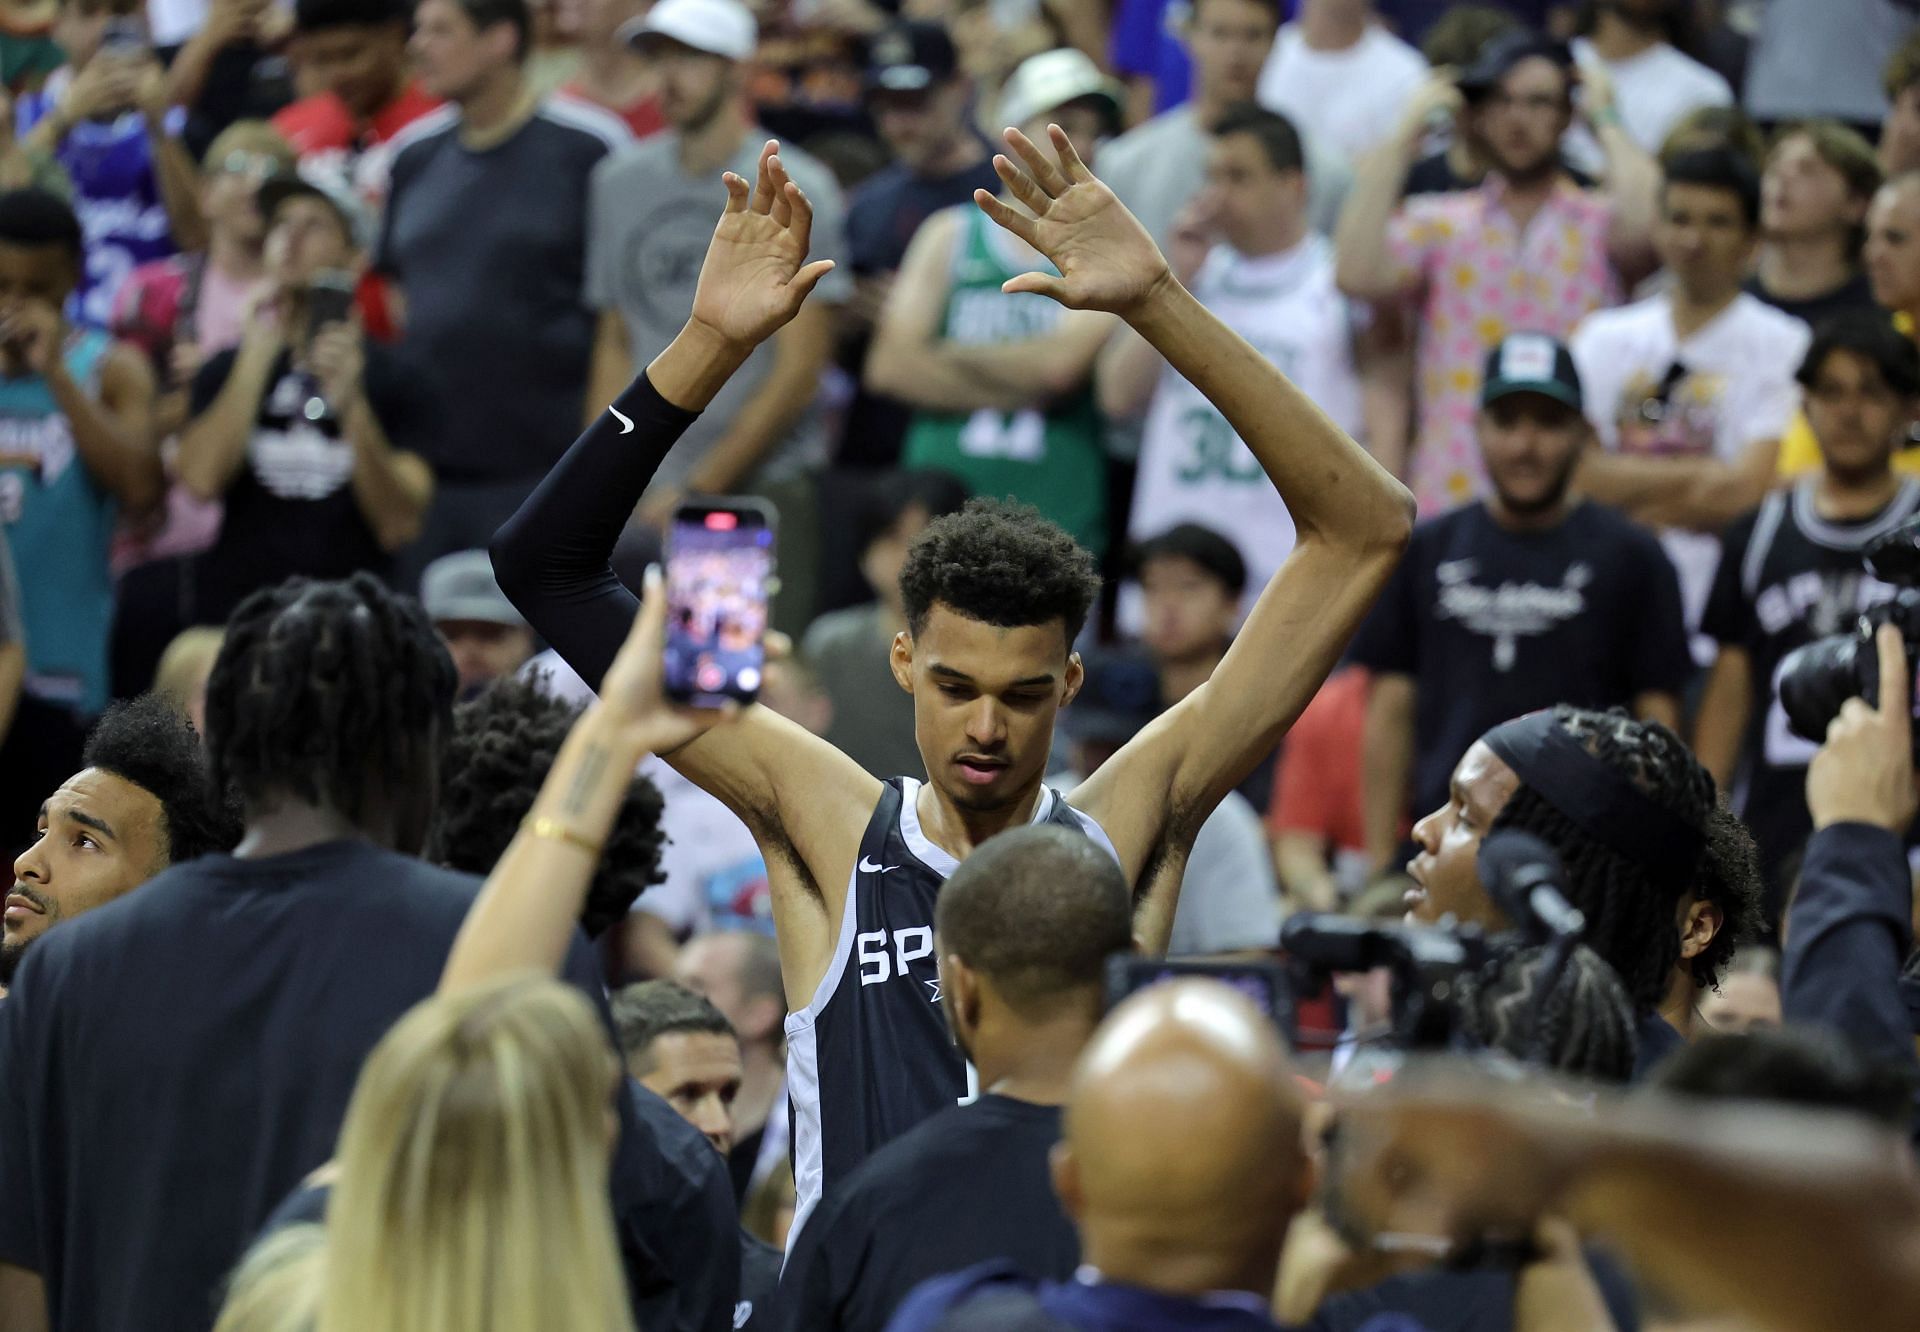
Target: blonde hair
x=184, y=667
x=277, y=1287
x=473, y=1171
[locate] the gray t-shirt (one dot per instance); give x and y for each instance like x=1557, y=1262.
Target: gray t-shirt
x=1230, y=897
x=872, y=715
x=1158, y=167
x=489, y=247
x=649, y=223
x=1816, y=58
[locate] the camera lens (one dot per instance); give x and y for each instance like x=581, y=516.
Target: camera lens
x=1815, y=681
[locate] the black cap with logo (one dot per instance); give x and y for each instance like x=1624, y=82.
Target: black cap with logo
x=909, y=57
x=1531, y=363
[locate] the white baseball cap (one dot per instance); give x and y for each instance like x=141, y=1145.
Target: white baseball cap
x=1050, y=80
x=718, y=27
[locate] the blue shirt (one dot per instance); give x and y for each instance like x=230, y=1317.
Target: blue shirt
x=59, y=525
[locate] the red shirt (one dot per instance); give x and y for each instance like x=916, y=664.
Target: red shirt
x=1318, y=786
x=331, y=144
x=643, y=115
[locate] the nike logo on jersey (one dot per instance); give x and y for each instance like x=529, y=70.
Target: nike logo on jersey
x=874, y=867
x=626, y=422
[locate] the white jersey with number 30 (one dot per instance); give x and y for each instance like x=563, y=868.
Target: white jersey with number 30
x=1193, y=467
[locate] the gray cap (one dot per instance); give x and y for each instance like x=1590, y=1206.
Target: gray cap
x=461, y=586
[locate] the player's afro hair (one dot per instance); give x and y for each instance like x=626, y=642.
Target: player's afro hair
x=502, y=746
x=1001, y=563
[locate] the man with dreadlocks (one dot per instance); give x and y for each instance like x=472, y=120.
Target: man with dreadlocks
x=178, y=1060
x=1667, y=878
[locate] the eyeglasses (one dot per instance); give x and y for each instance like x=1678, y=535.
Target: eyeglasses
x=259, y=166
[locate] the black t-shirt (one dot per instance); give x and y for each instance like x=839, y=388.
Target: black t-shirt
x=1475, y=1299
x=290, y=509
x=180, y=1059
x=882, y=216
x=968, y=1185
x=1856, y=293
x=1492, y=624
x=1787, y=577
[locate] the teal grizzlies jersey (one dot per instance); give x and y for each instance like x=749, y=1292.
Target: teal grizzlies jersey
x=59, y=525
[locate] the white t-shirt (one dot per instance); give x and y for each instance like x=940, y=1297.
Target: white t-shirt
x=1193, y=467
x=1654, y=90
x=1728, y=386
x=1348, y=101
x=716, y=878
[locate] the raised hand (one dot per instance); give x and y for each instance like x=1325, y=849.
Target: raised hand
x=1107, y=261
x=1864, y=771
x=753, y=281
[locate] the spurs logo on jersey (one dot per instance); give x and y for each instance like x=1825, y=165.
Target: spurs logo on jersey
x=871, y=1056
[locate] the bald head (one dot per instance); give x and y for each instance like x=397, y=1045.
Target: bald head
x=1892, y=254
x=1182, y=1161
x=1037, y=911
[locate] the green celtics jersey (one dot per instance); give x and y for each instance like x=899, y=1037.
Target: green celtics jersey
x=1051, y=458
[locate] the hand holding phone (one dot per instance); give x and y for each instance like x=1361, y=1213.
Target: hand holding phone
x=330, y=296
x=719, y=584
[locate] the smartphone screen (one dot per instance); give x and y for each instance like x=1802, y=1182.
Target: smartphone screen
x=329, y=299
x=125, y=37
x=719, y=578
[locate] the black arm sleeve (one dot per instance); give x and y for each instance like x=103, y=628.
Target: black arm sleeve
x=551, y=557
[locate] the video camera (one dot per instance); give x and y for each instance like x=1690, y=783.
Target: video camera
x=1817, y=679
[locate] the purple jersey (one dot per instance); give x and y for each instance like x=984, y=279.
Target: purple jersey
x=116, y=195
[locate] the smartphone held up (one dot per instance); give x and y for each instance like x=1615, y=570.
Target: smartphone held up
x=720, y=579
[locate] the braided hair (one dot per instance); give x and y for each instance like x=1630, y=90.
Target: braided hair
x=503, y=744
x=1586, y=1023
x=1632, y=919
x=338, y=694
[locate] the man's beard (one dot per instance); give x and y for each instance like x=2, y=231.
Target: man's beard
x=1549, y=501
x=10, y=955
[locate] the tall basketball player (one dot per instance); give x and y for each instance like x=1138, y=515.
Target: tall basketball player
x=995, y=596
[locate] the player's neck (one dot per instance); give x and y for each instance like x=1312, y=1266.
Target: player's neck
x=295, y=826
x=1839, y=498
x=1798, y=268
x=1033, y=1061
x=958, y=831
x=497, y=108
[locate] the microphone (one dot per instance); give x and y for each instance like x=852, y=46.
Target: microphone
x=1522, y=874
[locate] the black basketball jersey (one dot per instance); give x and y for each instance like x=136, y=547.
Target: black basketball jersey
x=1788, y=577
x=871, y=1056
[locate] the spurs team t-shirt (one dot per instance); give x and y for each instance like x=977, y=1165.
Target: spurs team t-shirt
x=1492, y=624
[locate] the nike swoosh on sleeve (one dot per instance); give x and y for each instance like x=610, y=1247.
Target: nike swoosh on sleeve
x=626, y=422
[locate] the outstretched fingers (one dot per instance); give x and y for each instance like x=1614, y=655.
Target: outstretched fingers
x=782, y=206
x=809, y=277
x=1012, y=219
x=764, y=189
x=1044, y=171
x=737, y=192
x=800, y=209
x=1021, y=184
x=1076, y=171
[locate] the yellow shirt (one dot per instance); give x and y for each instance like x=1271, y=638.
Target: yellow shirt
x=1800, y=451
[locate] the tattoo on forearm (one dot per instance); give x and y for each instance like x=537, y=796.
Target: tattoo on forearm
x=580, y=793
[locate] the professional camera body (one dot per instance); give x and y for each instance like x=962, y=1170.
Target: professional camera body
x=1816, y=680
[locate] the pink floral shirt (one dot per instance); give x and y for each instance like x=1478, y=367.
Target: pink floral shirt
x=1478, y=278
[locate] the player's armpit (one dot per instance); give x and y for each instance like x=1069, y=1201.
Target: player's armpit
x=1155, y=793
x=807, y=805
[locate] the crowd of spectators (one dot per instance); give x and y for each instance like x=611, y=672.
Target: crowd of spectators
x=1626, y=293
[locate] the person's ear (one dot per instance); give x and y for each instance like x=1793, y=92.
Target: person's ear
x=1066, y=1180
x=1076, y=677
x=900, y=660
x=1697, y=930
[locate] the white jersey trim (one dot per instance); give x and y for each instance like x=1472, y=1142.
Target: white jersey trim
x=803, y=1073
